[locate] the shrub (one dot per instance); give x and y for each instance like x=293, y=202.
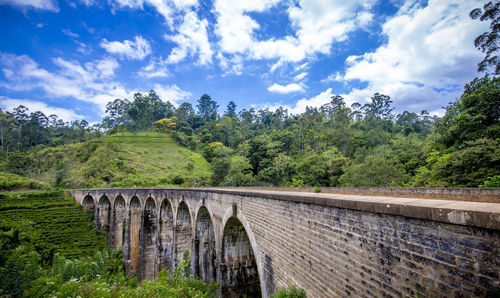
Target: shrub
x=290, y=292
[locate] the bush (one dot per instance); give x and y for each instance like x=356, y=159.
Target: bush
x=16, y=182
x=178, y=180
x=290, y=292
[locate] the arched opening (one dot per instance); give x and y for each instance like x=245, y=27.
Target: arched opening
x=134, y=232
x=239, y=272
x=182, y=232
x=148, y=241
x=88, y=203
x=166, y=234
x=118, y=223
x=204, y=247
x=103, y=214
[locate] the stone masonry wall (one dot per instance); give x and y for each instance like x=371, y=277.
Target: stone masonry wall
x=330, y=245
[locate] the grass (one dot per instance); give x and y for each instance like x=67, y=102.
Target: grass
x=144, y=159
x=16, y=182
x=51, y=218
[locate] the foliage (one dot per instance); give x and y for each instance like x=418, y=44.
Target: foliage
x=475, y=115
x=488, y=41
x=290, y=292
x=377, y=169
x=52, y=221
x=16, y=182
x=463, y=150
x=120, y=160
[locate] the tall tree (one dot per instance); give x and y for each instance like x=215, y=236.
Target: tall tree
x=488, y=42
x=207, y=108
x=231, y=109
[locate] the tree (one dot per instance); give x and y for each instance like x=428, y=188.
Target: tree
x=116, y=111
x=207, y=108
x=231, y=109
x=476, y=114
x=488, y=41
x=380, y=107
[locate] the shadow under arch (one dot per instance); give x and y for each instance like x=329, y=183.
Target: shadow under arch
x=166, y=236
x=147, y=250
x=103, y=214
x=88, y=203
x=239, y=271
x=118, y=223
x=133, y=227
x=182, y=231
x=204, y=252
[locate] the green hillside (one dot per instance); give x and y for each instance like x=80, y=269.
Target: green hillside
x=119, y=160
x=51, y=219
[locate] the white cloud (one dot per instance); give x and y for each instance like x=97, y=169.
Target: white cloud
x=167, y=9
x=155, y=69
x=49, y=5
x=172, y=93
x=189, y=32
x=334, y=77
x=191, y=39
x=317, y=25
x=69, y=33
x=137, y=49
x=428, y=57
x=65, y=114
x=300, y=76
x=293, y=87
x=91, y=82
x=314, y=102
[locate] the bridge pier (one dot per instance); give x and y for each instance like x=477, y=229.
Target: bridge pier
x=330, y=245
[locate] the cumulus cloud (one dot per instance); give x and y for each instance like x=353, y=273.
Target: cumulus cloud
x=188, y=31
x=155, y=69
x=167, y=9
x=137, y=49
x=191, y=40
x=91, y=82
x=314, y=102
x=65, y=114
x=293, y=87
x=317, y=25
x=428, y=57
x=172, y=93
x=49, y=5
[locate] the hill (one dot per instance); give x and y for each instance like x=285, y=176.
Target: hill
x=51, y=219
x=120, y=160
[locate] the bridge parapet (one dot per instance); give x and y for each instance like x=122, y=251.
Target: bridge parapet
x=329, y=244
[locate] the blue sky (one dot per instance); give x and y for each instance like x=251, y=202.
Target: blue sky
x=72, y=57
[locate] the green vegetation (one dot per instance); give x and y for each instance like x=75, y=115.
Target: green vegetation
x=52, y=221
x=290, y=292
x=22, y=274
x=333, y=145
x=119, y=160
x=16, y=182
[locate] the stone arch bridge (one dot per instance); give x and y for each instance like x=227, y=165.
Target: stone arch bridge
x=256, y=241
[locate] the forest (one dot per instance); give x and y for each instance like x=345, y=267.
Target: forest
x=333, y=145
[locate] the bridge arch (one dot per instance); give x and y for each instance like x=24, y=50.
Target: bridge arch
x=204, y=249
x=88, y=203
x=166, y=236
x=103, y=213
x=183, y=231
x=240, y=273
x=118, y=223
x=134, y=227
x=148, y=241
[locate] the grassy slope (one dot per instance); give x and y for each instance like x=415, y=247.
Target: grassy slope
x=15, y=182
x=52, y=218
x=120, y=160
